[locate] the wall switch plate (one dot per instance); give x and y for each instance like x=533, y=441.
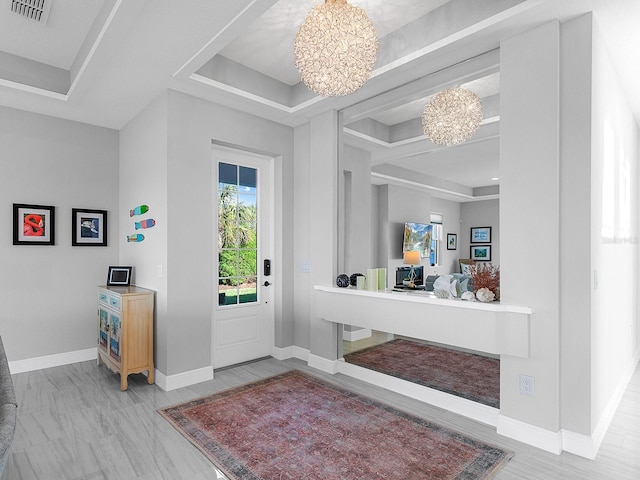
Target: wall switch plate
x=159, y=270
x=305, y=267
x=527, y=385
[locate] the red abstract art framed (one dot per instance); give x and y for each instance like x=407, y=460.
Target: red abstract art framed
x=33, y=224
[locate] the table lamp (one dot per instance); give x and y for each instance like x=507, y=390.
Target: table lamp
x=412, y=258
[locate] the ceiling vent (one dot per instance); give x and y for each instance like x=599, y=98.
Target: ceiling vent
x=37, y=10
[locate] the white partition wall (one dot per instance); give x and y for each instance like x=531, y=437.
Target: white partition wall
x=529, y=228
x=568, y=218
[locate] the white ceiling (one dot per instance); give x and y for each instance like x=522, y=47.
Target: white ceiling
x=119, y=55
x=271, y=36
x=56, y=42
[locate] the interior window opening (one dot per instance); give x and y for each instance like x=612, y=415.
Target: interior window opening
x=436, y=239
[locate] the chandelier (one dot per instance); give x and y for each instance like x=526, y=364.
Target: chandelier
x=335, y=48
x=452, y=116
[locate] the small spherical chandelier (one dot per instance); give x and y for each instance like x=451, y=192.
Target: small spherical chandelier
x=336, y=48
x=452, y=116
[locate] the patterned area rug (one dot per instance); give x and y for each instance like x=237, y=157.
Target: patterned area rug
x=466, y=375
x=295, y=426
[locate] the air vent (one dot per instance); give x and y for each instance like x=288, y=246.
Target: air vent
x=37, y=10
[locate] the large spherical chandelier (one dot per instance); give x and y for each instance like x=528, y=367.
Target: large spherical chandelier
x=336, y=48
x=452, y=116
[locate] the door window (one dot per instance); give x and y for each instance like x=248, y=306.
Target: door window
x=237, y=234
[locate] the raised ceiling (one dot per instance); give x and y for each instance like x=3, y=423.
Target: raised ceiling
x=271, y=35
x=102, y=61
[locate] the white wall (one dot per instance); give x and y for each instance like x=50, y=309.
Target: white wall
x=314, y=229
x=581, y=185
x=575, y=226
x=614, y=254
x=599, y=185
x=143, y=181
x=355, y=209
x=323, y=232
x=48, y=293
x=302, y=219
x=485, y=213
x=392, y=206
x=380, y=225
x=191, y=126
x=404, y=205
x=529, y=197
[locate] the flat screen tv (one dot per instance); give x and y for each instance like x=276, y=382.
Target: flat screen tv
x=417, y=237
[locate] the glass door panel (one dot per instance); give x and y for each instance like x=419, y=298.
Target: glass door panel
x=237, y=234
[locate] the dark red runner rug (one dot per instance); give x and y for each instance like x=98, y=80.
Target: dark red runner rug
x=295, y=426
x=466, y=375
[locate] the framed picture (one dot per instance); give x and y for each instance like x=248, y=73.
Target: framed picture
x=119, y=276
x=417, y=236
x=452, y=241
x=480, y=234
x=88, y=228
x=33, y=224
x=481, y=253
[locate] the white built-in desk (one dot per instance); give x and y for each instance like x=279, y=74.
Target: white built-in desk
x=485, y=327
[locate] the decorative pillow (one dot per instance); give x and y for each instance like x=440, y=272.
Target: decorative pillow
x=465, y=269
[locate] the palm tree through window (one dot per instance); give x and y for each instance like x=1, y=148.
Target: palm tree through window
x=237, y=234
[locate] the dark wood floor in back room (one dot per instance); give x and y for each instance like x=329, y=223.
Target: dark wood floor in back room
x=75, y=423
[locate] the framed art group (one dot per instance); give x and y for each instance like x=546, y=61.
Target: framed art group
x=88, y=227
x=35, y=225
x=480, y=253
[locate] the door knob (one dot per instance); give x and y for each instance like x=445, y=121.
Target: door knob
x=266, y=283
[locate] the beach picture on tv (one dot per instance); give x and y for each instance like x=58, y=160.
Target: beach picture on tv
x=417, y=237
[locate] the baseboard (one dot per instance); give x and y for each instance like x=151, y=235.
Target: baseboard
x=55, y=360
x=461, y=406
x=282, y=353
x=323, y=364
x=184, y=379
x=356, y=335
x=292, y=351
x=588, y=446
x=530, y=434
x=581, y=445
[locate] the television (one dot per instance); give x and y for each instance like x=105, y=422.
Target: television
x=403, y=274
x=417, y=237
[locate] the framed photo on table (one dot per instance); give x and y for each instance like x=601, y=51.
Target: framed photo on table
x=34, y=224
x=88, y=228
x=480, y=235
x=119, y=276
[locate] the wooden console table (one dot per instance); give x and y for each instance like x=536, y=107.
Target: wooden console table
x=125, y=331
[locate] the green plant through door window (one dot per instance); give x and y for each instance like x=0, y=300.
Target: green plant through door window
x=237, y=234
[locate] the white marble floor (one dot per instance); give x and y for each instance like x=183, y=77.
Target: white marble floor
x=75, y=423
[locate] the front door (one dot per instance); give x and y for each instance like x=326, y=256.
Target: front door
x=243, y=317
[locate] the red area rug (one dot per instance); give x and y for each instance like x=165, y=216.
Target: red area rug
x=466, y=375
x=295, y=426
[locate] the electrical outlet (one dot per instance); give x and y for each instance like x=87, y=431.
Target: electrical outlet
x=527, y=385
